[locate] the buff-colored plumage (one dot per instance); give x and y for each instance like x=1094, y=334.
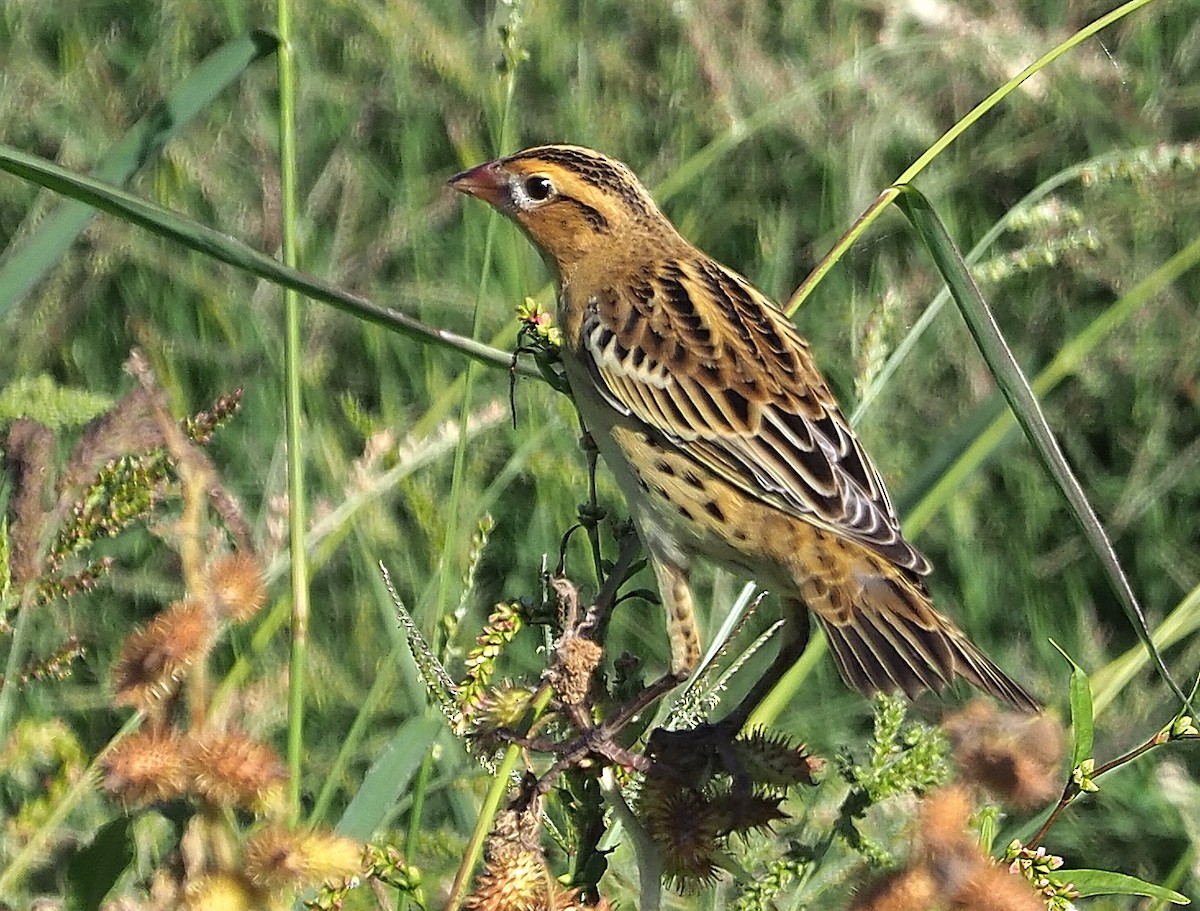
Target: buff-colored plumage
x=707, y=406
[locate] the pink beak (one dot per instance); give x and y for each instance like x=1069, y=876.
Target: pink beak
x=487, y=182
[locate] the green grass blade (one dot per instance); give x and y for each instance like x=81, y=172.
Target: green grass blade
x=1182, y=622
x=890, y=195
x=293, y=414
x=222, y=247
x=908, y=343
x=23, y=267
x=1003, y=367
x=388, y=777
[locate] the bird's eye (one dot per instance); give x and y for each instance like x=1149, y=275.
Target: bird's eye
x=539, y=188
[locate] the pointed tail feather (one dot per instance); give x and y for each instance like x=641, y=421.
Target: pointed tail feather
x=892, y=639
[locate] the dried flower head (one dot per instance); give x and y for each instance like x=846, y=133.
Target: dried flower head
x=222, y=892
x=517, y=880
x=910, y=889
x=236, y=585
x=278, y=860
x=515, y=876
x=147, y=766
x=500, y=708
x=155, y=658
x=571, y=673
x=234, y=770
x=948, y=870
x=1014, y=756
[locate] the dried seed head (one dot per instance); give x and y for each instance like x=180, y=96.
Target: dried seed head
x=236, y=585
x=277, y=860
x=992, y=888
x=571, y=673
x=942, y=823
x=519, y=881
x=911, y=889
x=29, y=447
x=948, y=870
x=222, y=892
x=155, y=658
x=1013, y=755
x=234, y=770
x=147, y=766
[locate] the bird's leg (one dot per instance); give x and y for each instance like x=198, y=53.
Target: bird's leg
x=681, y=616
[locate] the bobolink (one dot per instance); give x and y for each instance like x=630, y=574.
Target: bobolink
x=707, y=407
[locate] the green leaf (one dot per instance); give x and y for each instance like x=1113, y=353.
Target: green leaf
x=24, y=266
x=388, y=777
x=1102, y=882
x=1081, y=710
x=95, y=869
x=1024, y=404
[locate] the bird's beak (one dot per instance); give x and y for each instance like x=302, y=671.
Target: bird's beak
x=487, y=182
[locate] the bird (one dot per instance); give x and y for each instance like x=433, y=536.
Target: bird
x=707, y=406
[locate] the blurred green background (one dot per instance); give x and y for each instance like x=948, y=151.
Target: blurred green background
x=764, y=129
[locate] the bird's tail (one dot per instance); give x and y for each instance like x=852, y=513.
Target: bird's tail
x=885, y=635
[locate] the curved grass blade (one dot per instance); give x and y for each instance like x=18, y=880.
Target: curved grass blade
x=1003, y=367
x=891, y=194
x=238, y=254
x=928, y=492
x=23, y=267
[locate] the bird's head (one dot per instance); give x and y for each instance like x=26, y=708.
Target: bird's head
x=570, y=201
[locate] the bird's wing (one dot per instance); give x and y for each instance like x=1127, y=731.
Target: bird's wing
x=697, y=353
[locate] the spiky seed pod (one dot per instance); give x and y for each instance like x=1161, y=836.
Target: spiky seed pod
x=742, y=814
x=236, y=586
x=770, y=760
x=278, y=860
x=516, y=880
x=222, y=892
x=154, y=659
x=147, y=766
x=503, y=707
x=571, y=673
x=688, y=830
x=233, y=770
